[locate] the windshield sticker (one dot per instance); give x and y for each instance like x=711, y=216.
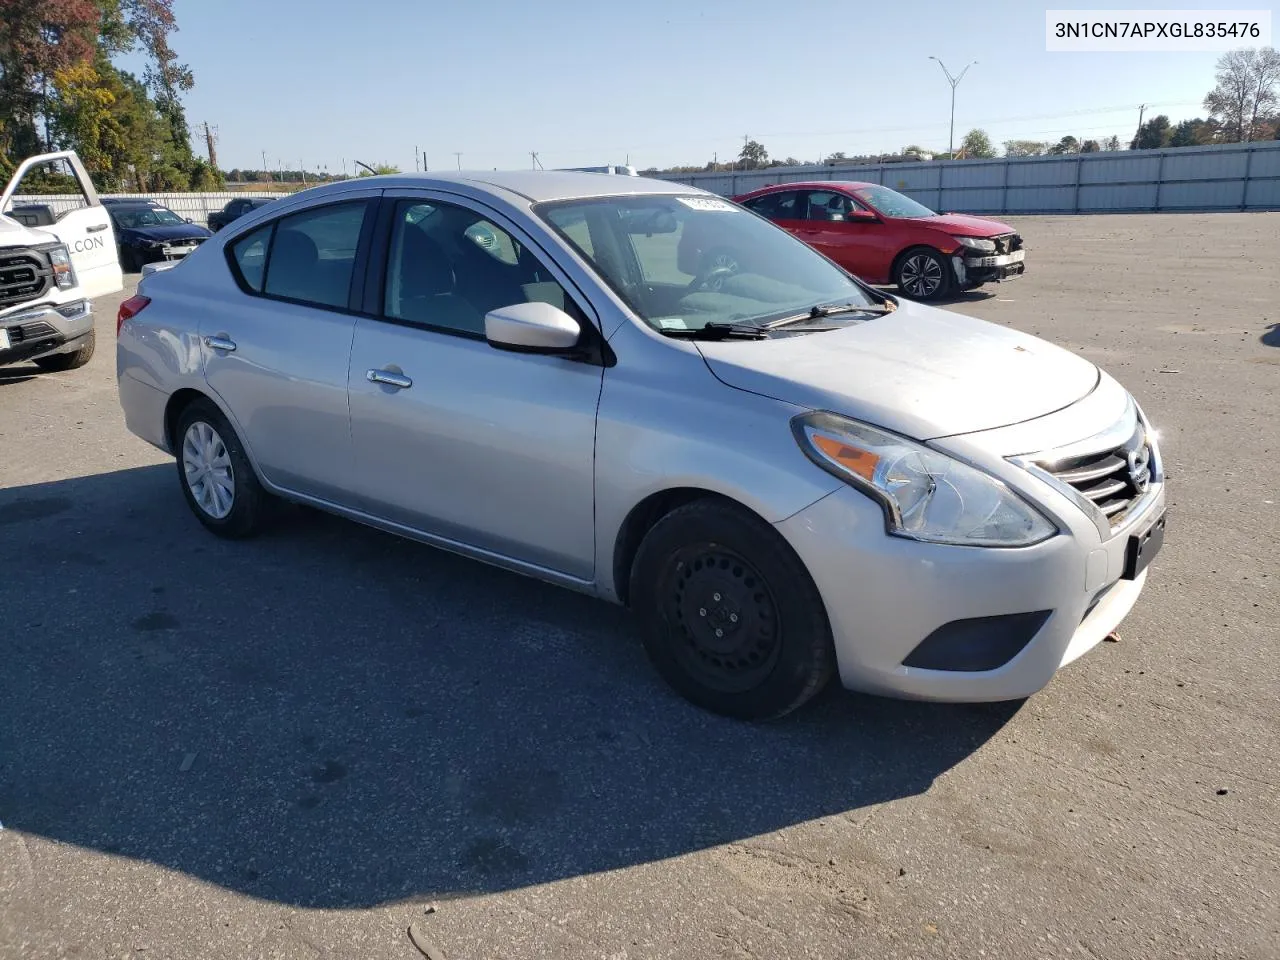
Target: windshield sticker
x=672, y=323
x=706, y=203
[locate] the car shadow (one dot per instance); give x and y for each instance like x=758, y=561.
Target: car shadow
x=328, y=716
x=19, y=373
x=1272, y=337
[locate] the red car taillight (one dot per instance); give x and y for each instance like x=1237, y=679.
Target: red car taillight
x=130, y=308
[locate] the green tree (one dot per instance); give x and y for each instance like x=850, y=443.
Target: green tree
x=753, y=155
x=1111, y=144
x=1193, y=133
x=1025, y=148
x=977, y=145
x=1245, y=96
x=1090, y=146
x=1067, y=144
x=1153, y=134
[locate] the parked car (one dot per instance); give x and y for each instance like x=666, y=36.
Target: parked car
x=885, y=237
x=235, y=209
x=147, y=231
x=784, y=473
x=51, y=267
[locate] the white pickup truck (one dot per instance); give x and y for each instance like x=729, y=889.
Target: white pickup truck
x=51, y=268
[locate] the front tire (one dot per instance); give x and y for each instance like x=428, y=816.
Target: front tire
x=217, y=480
x=68, y=361
x=923, y=273
x=731, y=618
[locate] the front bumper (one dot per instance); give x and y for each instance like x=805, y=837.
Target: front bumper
x=995, y=268
x=33, y=332
x=893, y=602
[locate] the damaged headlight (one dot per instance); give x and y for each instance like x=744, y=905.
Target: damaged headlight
x=977, y=243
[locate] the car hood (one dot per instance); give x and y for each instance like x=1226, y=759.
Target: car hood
x=963, y=225
x=15, y=234
x=919, y=371
x=169, y=231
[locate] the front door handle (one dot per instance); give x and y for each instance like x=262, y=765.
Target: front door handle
x=95, y=228
x=390, y=378
x=219, y=343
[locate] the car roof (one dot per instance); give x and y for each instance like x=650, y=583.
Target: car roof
x=814, y=185
x=536, y=186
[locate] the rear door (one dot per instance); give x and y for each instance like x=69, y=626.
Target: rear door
x=85, y=228
x=277, y=352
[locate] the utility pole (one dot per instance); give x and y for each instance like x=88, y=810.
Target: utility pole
x=425, y=168
x=302, y=168
x=458, y=154
x=955, y=82
x=1141, y=110
x=265, y=168
x=210, y=137
x=415, y=158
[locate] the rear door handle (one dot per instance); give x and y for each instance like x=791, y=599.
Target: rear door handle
x=390, y=378
x=95, y=228
x=219, y=343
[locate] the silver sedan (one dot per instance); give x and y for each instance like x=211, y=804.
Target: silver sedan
x=647, y=393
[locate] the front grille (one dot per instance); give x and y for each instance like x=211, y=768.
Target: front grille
x=24, y=275
x=1007, y=244
x=1112, y=479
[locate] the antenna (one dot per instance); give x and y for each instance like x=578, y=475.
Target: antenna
x=458, y=154
x=366, y=166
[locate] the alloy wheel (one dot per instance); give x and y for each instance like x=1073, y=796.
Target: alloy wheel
x=921, y=275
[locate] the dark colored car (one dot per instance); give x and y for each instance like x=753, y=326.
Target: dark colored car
x=234, y=210
x=885, y=237
x=147, y=231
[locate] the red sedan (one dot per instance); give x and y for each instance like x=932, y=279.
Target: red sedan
x=885, y=237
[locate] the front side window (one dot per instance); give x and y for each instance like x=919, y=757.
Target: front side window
x=313, y=254
x=448, y=267
x=827, y=205
x=681, y=262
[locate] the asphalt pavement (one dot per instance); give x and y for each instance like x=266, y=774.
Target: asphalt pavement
x=303, y=745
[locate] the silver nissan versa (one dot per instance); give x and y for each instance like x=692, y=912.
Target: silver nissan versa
x=647, y=393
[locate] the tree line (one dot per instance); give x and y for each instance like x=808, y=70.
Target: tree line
x=1243, y=106
x=59, y=89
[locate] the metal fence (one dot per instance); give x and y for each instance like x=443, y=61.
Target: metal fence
x=197, y=206
x=1240, y=176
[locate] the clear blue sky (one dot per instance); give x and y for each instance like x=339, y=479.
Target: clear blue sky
x=660, y=81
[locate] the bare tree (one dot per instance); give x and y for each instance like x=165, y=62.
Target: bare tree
x=1245, y=97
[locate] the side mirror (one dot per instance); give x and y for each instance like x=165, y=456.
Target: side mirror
x=534, y=327
x=861, y=216
x=189, y=220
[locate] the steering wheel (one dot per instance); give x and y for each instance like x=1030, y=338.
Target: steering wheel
x=716, y=269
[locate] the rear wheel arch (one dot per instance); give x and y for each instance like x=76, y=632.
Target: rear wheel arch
x=183, y=398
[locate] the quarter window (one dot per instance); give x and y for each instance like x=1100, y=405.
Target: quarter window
x=313, y=254
x=448, y=267
x=250, y=253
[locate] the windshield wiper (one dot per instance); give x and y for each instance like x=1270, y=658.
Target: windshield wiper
x=830, y=309
x=719, y=331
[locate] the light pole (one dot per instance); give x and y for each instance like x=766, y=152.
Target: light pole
x=954, y=81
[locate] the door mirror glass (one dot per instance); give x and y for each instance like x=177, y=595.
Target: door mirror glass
x=861, y=216
x=533, y=327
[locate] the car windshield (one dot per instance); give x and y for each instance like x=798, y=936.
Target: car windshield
x=891, y=203
x=131, y=218
x=681, y=262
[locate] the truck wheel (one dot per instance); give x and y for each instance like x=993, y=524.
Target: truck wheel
x=731, y=618
x=68, y=361
x=923, y=273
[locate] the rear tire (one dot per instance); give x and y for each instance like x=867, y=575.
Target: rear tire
x=731, y=618
x=68, y=361
x=923, y=273
x=217, y=480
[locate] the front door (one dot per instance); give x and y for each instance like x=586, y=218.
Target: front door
x=451, y=436
x=277, y=354
x=860, y=246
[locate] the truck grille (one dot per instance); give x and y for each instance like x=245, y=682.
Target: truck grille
x=1112, y=479
x=1008, y=243
x=24, y=275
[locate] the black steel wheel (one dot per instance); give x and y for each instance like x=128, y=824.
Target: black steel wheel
x=732, y=619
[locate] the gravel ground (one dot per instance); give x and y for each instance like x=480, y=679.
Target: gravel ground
x=296, y=747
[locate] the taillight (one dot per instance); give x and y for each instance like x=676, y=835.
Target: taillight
x=130, y=308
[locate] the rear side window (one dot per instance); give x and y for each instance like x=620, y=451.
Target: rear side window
x=313, y=254
x=250, y=255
